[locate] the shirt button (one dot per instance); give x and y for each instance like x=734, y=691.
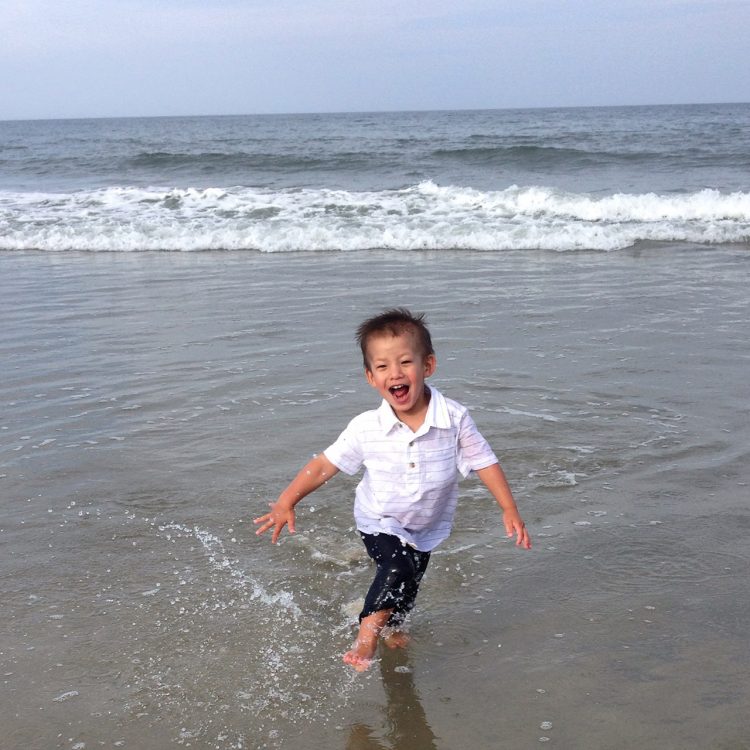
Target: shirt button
x=412, y=465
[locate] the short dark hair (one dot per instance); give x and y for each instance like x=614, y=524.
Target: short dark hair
x=396, y=321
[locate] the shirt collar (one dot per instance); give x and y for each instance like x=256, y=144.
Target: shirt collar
x=437, y=414
x=387, y=417
x=437, y=411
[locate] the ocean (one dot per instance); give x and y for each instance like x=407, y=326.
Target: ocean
x=589, y=179
x=178, y=299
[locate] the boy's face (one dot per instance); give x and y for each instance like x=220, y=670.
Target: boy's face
x=397, y=370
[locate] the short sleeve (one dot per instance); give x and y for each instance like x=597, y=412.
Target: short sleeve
x=345, y=454
x=473, y=451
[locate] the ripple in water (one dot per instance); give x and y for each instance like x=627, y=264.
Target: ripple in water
x=453, y=639
x=655, y=558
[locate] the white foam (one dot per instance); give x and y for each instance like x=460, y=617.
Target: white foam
x=66, y=696
x=423, y=217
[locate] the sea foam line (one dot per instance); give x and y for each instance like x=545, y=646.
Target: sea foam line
x=423, y=217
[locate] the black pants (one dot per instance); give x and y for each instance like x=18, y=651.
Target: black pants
x=399, y=570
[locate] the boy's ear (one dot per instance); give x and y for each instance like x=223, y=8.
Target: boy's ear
x=368, y=375
x=430, y=365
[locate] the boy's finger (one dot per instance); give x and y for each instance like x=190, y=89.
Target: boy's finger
x=520, y=533
x=523, y=538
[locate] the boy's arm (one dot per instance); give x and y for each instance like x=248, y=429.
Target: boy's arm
x=315, y=473
x=495, y=481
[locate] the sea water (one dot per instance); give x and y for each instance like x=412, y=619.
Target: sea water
x=584, y=274
x=601, y=179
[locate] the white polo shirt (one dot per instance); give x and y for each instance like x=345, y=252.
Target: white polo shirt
x=410, y=485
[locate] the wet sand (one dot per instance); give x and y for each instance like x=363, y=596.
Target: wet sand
x=153, y=403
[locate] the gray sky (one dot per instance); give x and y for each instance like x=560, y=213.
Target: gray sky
x=80, y=58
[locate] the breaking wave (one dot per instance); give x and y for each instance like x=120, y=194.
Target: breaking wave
x=422, y=217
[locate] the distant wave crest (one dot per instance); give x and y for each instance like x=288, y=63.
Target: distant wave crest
x=219, y=162
x=423, y=217
x=537, y=157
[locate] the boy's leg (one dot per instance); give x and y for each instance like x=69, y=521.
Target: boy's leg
x=396, y=569
x=393, y=635
x=411, y=587
x=391, y=595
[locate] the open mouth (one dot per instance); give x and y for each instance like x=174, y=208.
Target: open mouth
x=399, y=392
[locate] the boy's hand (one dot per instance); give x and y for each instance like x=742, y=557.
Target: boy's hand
x=278, y=517
x=515, y=526
x=312, y=475
x=497, y=484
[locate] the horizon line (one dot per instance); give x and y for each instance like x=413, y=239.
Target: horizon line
x=368, y=111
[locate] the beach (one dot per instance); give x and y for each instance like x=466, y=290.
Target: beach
x=154, y=403
x=179, y=298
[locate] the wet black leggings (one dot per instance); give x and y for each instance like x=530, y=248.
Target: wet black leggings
x=399, y=570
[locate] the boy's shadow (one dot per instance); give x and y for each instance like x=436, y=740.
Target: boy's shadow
x=407, y=727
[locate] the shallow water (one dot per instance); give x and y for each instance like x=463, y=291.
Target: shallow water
x=153, y=404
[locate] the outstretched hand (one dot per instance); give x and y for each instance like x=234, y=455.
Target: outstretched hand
x=312, y=475
x=494, y=478
x=278, y=517
x=514, y=526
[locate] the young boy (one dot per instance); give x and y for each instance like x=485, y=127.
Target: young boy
x=412, y=447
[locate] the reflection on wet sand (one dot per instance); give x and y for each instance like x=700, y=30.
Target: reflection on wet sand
x=406, y=723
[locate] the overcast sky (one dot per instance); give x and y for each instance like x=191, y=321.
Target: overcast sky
x=91, y=58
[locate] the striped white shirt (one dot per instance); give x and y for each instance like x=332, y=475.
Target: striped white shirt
x=410, y=485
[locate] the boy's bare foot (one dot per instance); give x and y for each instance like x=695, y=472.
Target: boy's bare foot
x=358, y=659
x=362, y=652
x=395, y=638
